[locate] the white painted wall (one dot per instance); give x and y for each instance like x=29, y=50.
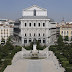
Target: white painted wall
x=30, y=12
x=42, y=29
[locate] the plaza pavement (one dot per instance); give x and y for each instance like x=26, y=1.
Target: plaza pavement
x=49, y=64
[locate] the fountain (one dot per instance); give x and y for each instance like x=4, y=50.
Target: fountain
x=34, y=53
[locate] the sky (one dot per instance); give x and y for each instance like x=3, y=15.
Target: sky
x=57, y=9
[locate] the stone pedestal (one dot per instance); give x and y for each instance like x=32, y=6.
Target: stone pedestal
x=34, y=47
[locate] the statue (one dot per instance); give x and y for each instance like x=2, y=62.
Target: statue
x=34, y=41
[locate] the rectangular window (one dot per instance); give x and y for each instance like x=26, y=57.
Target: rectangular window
x=1, y=31
x=25, y=41
x=34, y=34
x=34, y=24
x=7, y=31
x=25, y=25
x=67, y=32
x=34, y=12
x=44, y=41
x=7, y=35
x=62, y=32
x=4, y=36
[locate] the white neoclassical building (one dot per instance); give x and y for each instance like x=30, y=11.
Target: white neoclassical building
x=35, y=24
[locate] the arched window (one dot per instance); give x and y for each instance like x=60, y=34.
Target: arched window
x=44, y=41
x=25, y=24
x=43, y=24
x=34, y=34
x=30, y=40
x=39, y=34
x=39, y=24
x=34, y=12
x=30, y=34
x=25, y=40
x=39, y=40
x=30, y=24
x=25, y=34
x=62, y=32
x=43, y=34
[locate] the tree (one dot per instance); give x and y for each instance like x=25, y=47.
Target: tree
x=66, y=38
x=9, y=39
x=3, y=41
x=60, y=41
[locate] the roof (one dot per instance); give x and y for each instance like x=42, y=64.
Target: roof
x=34, y=17
x=67, y=26
x=35, y=6
x=17, y=21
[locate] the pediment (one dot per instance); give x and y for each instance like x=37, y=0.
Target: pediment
x=35, y=7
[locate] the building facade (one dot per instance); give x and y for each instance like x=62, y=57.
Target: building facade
x=66, y=30
x=6, y=30
x=35, y=24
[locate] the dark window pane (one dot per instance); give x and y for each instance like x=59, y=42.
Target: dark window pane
x=44, y=41
x=43, y=34
x=29, y=40
x=34, y=24
x=39, y=41
x=25, y=41
x=25, y=34
x=34, y=12
x=25, y=24
x=30, y=34
x=29, y=24
x=43, y=24
x=34, y=34
x=39, y=24
x=39, y=34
